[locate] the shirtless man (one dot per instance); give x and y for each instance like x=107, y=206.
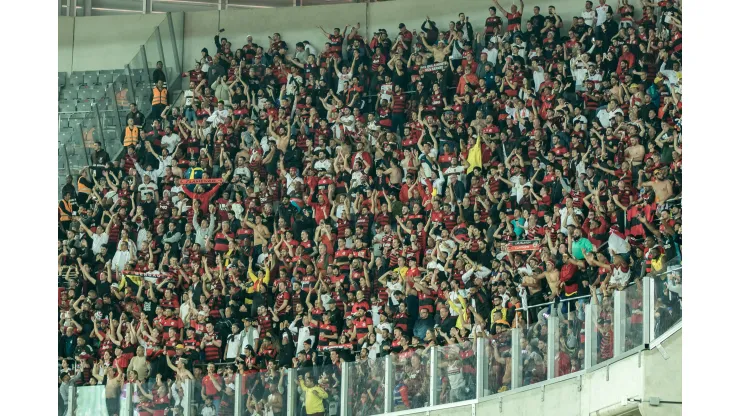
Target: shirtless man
x=635, y=152
x=395, y=174
x=662, y=187
x=112, y=386
x=181, y=372
x=261, y=233
x=552, y=274
x=439, y=51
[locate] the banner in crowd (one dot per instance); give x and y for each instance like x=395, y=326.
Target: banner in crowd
x=135, y=278
x=431, y=67
x=200, y=181
x=522, y=245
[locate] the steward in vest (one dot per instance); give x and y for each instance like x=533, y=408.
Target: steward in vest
x=159, y=100
x=84, y=187
x=65, y=211
x=130, y=134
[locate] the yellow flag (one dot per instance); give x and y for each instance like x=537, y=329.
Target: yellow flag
x=474, y=156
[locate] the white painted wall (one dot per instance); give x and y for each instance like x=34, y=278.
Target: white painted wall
x=66, y=35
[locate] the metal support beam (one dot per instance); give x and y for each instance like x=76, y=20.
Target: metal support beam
x=344, y=390
x=146, y=6
x=553, y=344
x=160, y=49
x=187, y=402
x=292, y=392
x=175, y=51
x=114, y=97
x=145, y=64
x=72, y=8
x=87, y=7
x=82, y=140
x=516, y=358
x=592, y=314
x=434, y=378
x=128, y=404
x=297, y=3
x=223, y=4
x=66, y=158
x=130, y=85
x=620, y=320
x=71, y=400
x=99, y=126
x=239, y=404
x=647, y=310
x=481, y=367
x=649, y=287
x=389, y=384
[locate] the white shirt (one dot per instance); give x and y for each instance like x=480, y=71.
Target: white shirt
x=601, y=13
x=518, y=188
x=343, y=79
x=566, y=220
x=243, y=171
x=539, y=77
x=588, y=17
x=605, y=116
x=149, y=188
x=249, y=338
x=491, y=54
x=303, y=333
x=233, y=345
x=99, y=240
x=170, y=142
x=322, y=164
x=120, y=260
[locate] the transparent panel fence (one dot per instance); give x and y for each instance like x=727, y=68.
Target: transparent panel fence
x=499, y=354
x=570, y=342
x=666, y=301
x=605, y=329
x=533, y=360
x=367, y=388
x=319, y=388
x=633, y=322
x=456, y=371
x=411, y=380
x=262, y=392
x=91, y=401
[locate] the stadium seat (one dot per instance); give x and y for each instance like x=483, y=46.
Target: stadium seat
x=69, y=94
x=90, y=79
x=62, y=79
x=105, y=79
x=68, y=107
x=76, y=79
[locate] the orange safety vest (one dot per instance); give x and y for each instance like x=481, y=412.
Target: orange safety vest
x=131, y=137
x=81, y=187
x=159, y=97
x=62, y=215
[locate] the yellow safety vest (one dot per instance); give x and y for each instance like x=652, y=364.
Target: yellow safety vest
x=159, y=96
x=131, y=137
x=63, y=216
x=81, y=187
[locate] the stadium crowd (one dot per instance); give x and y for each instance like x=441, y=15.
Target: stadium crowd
x=302, y=205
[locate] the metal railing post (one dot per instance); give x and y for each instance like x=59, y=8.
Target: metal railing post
x=82, y=139
x=651, y=307
x=176, y=53
x=592, y=313
x=344, y=391
x=433, y=376
x=131, y=86
x=100, y=127
x=66, y=158
x=187, y=402
x=161, y=56
x=146, y=65
x=238, y=397
x=516, y=358
x=481, y=368
x=647, y=310
x=117, y=119
x=390, y=383
x=292, y=390
x=553, y=328
x=620, y=320
x=71, y=400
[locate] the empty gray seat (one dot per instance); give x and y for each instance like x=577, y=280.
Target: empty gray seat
x=63, y=123
x=105, y=79
x=90, y=79
x=69, y=94
x=61, y=78
x=68, y=107
x=76, y=79
x=65, y=136
x=84, y=105
x=96, y=93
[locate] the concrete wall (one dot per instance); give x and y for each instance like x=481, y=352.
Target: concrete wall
x=106, y=42
x=65, y=48
x=110, y=42
x=662, y=377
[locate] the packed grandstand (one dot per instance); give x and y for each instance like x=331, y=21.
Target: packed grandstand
x=301, y=206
